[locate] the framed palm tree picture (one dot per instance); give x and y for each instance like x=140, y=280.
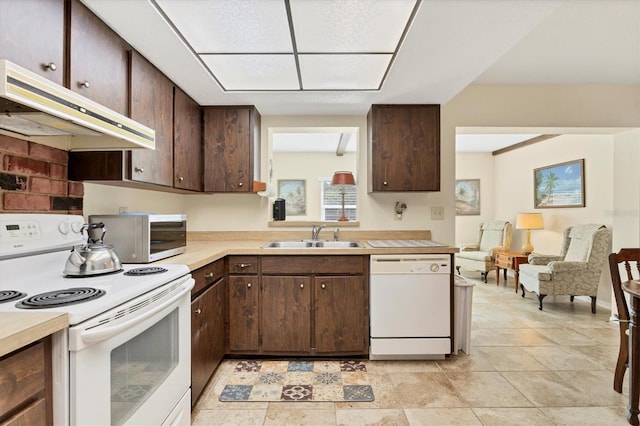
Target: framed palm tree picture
x=559, y=185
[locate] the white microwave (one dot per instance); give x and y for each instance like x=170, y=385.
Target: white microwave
x=144, y=238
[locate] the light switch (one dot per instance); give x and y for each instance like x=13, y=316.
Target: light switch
x=437, y=213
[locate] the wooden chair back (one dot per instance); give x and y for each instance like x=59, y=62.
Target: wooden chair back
x=627, y=257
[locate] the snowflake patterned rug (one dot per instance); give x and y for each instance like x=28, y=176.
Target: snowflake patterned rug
x=258, y=380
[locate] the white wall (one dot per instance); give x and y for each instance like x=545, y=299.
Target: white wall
x=476, y=165
x=520, y=106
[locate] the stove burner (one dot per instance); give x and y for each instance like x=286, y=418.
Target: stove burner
x=9, y=295
x=146, y=271
x=57, y=298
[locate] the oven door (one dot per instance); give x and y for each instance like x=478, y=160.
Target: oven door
x=131, y=365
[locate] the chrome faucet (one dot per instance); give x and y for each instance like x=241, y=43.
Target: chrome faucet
x=315, y=231
x=336, y=234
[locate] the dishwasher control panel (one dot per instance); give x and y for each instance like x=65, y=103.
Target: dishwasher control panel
x=411, y=264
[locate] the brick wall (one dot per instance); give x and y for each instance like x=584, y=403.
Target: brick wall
x=33, y=179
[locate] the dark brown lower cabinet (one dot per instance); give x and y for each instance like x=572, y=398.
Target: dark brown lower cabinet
x=286, y=314
x=340, y=314
x=244, y=292
x=207, y=325
x=303, y=305
x=26, y=386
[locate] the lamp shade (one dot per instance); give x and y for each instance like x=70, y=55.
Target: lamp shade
x=343, y=179
x=529, y=221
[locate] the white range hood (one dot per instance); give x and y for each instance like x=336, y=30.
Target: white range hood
x=32, y=106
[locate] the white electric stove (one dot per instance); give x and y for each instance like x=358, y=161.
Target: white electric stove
x=121, y=323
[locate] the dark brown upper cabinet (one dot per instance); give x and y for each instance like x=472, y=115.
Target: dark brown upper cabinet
x=32, y=36
x=152, y=105
x=231, y=148
x=404, y=148
x=187, y=142
x=98, y=60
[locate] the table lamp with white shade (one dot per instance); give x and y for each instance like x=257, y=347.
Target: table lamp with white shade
x=529, y=221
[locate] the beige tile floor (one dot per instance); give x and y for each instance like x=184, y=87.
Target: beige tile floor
x=525, y=367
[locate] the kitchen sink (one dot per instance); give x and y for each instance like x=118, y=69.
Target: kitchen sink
x=289, y=244
x=338, y=244
x=303, y=244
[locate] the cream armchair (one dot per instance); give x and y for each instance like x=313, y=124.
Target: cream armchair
x=493, y=236
x=576, y=272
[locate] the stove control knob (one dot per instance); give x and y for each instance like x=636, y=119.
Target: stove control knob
x=76, y=227
x=64, y=228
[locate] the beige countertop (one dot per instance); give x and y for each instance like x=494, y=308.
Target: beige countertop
x=18, y=329
x=204, y=248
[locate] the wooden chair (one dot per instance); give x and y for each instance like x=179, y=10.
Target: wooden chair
x=626, y=256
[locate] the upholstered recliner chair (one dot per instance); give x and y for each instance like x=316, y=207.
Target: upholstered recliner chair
x=576, y=272
x=493, y=236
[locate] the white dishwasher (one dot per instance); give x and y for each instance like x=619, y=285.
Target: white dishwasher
x=410, y=306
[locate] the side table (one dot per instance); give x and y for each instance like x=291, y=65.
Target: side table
x=510, y=260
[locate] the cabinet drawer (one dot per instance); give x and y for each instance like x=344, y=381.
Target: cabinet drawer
x=337, y=265
x=22, y=376
x=243, y=265
x=207, y=275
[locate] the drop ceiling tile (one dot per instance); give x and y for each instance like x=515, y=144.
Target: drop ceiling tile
x=343, y=72
x=371, y=26
x=247, y=26
x=254, y=72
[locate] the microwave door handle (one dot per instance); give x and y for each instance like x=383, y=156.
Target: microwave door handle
x=104, y=332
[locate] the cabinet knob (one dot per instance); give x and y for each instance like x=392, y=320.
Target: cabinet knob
x=138, y=169
x=84, y=84
x=180, y=179
x=385, y=183
x=198, y=311
x=301, y=285
x=249, y=285
x=323, y=286
x=240, y=184
x=209, y=275
x=51, y=66
x=244, y=265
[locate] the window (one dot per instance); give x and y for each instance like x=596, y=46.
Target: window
x=331, y=202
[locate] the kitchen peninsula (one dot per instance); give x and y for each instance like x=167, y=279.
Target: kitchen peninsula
x=249, y=300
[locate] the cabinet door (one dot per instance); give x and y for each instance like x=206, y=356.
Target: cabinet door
x=207, y=336
x=98, y=60
x=231, y=153
x=152, y=105
x=187, y=142
x=243, y=313
x=32, y=36
x=341, y=323
x=404, y=142
x=286, y=314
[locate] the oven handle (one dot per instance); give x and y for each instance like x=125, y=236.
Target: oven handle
x=99, y=334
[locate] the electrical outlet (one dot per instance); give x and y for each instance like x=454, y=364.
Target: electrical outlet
x=437, y=213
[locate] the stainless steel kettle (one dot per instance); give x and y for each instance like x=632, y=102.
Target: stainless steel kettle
x=93, y=258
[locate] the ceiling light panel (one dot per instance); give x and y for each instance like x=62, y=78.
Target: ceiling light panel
x=349, y=26
x=343, y=72
x=254, y=72
x=231, y=26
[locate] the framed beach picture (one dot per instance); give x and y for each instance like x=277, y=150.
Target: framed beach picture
x=559, y=185
x=294, y=192
x=467, y=197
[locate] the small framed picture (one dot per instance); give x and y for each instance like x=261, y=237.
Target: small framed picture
x=559, y=185
x=468, y=197
x=294, y=192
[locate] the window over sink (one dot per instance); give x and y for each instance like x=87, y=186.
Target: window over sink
x=312, y=155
